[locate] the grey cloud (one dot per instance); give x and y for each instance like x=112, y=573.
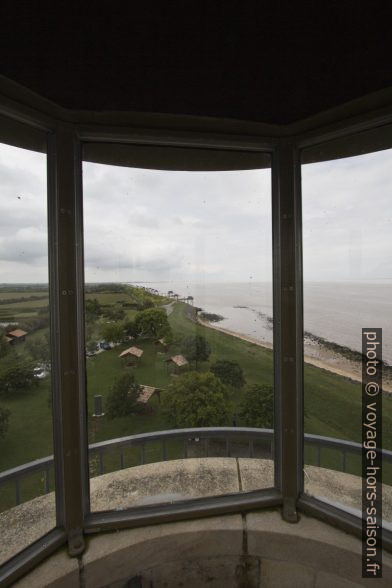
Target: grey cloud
x=216, y=226
x=27, y=244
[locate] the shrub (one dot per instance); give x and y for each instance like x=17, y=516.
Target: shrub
x=258, y=407
x=122, y=398
x=4, y=420
x=229, y=372
x=196, y=400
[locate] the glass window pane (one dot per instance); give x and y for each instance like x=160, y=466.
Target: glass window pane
x=178, y=271
x=27, y=505
x=347, y=287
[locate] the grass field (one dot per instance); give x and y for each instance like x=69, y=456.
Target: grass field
x=332, y=403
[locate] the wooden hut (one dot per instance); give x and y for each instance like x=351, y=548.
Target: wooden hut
x=161, y=344
x=16, y=336
x=179, y=362
x=147, y=393
x=133, y=354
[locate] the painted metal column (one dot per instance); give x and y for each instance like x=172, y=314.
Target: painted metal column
x=66, y=268
x=288, y=330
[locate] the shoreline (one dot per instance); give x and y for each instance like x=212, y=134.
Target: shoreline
x=346, y=368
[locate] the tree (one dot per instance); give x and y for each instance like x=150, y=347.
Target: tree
x=258, y=407
x=91, y=346
x=39, y=349
x=130, y=329
x=151, y=322
x=115, y=314
x=196, y=400
x=122, y=398
x=229, y=372
x=113, y=332
x=147, y=303
x=4, y=346
x=167, y=334
x=4, y=420
x=196, y=348
x=92, y=309
x=16, y=375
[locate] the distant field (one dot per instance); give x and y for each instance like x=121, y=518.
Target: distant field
x=109, y=297
x=24, y=309
x=25, y=305
x=20, y=294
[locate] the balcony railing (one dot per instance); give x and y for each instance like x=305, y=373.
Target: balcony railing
x=227, y=437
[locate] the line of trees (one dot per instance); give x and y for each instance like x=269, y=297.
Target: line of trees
x=207, y=399
x=151, y=322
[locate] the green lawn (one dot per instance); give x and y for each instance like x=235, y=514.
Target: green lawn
x=332, y=403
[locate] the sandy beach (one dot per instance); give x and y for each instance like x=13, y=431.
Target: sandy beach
x=315, y=354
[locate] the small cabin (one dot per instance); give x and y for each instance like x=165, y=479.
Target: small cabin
x=16, y=336
x=161, y=344
x=179, y=362
x=147, y=393
x=133, y=354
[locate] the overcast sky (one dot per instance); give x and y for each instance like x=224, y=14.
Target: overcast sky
x=146, y=225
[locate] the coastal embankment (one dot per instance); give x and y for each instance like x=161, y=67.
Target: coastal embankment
x=325, y=357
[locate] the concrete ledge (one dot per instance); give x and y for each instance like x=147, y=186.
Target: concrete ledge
x=341, y=488
x=153, y=483
x=58, y=571
x=22, y=525
x=164, y=482
x=259, y=549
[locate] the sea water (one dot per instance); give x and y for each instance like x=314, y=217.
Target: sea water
x=335, y=311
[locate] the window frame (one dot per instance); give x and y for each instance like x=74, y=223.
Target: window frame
x=66, y=132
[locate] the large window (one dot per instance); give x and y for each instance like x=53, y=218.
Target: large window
x=179, y=326
x=347, y=287
x=25, y=356
x=165, y=344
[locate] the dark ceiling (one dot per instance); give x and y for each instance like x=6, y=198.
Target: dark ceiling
x=238, y=60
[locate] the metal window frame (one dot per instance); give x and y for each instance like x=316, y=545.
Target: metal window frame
x=307, y=504
x=208, y=506
x=66, y=131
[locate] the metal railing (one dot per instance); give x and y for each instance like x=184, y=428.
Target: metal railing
x=205, y=438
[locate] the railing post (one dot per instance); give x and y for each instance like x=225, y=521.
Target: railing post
x=206, y=446
x=251, y=448
x=47, y=480
x=101, y=464
x=288, y=343
x=17, y=491
x=67, y=333
x=318, y=454
x=227, y=447
x=344, y=464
